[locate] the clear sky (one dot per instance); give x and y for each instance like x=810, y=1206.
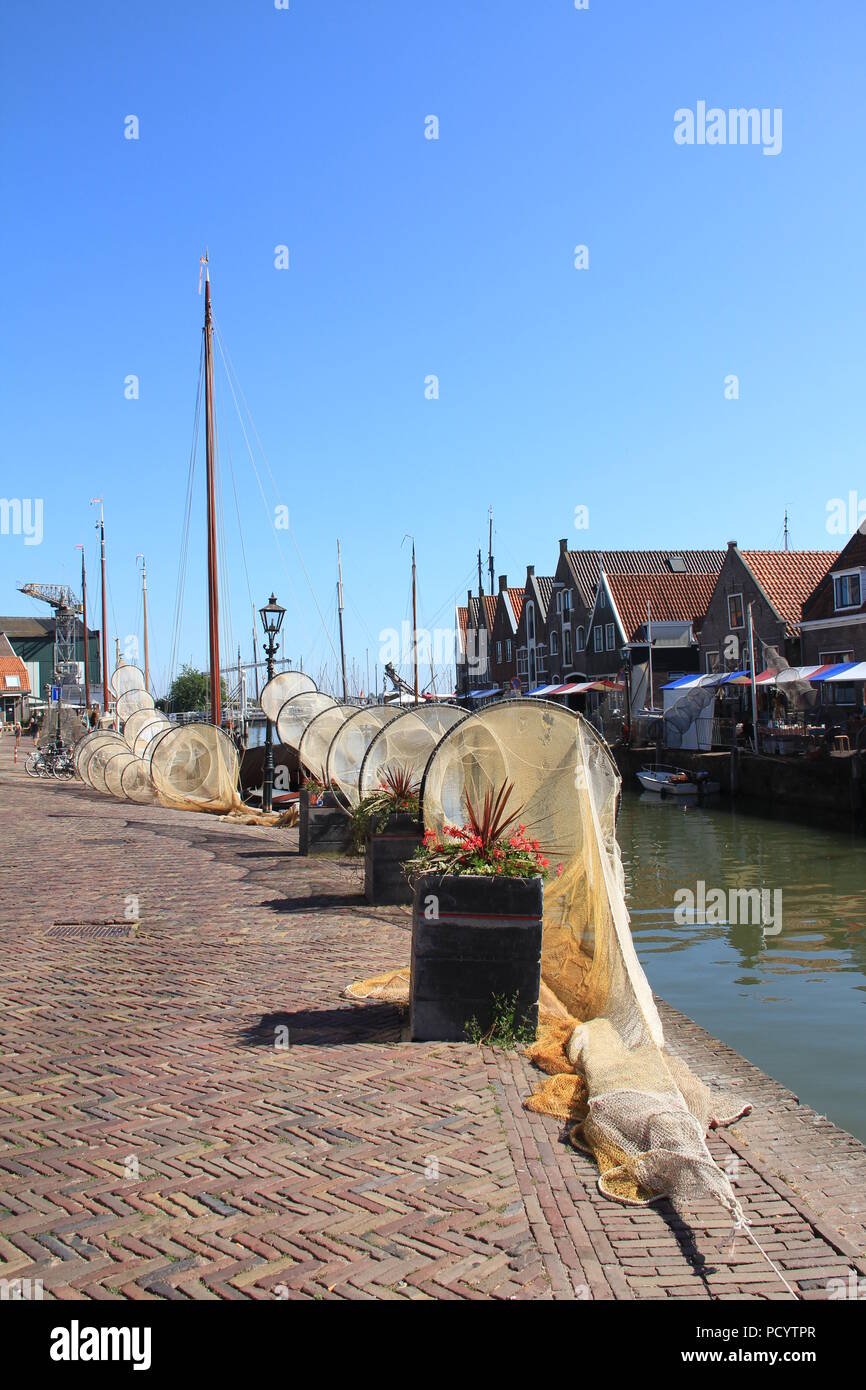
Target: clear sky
x=410, y=257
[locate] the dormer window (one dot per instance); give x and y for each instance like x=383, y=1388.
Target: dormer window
x=848, y=589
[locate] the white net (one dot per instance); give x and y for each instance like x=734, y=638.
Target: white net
x=406, y=742
x=296, y=713
x=130, y=702
x=282, y=688
x=645, y=1115
x=195, y=768
x=348, y=747
x=317, y=736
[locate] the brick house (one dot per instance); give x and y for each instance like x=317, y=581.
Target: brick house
x=776, y=583
x=574, y=590
x=532, y=636
x=630, y=610
x=833, y=625
x=474, y=642
x=506, y=622
x=14, y=684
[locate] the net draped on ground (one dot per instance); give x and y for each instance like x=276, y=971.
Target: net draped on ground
x=636, y=1107
x=188, y=767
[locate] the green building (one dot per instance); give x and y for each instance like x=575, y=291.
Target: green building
x=32, y=639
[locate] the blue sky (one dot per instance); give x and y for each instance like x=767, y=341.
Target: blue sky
x=409, y=257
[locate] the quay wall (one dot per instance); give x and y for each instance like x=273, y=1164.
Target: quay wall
x=826, y=788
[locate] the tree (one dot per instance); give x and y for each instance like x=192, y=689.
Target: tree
x=191, y=690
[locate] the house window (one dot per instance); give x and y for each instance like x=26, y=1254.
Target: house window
x=580, y=641
x=521, y=661
x=598, y=638
x=834, y=692
x=498, y=653
x=609, y=636
x=508, y=649
x=601, y=598
x=566, y=647
x=530, y=621
x=542, y=659
x=554, y=644
x=559, y=600
x=533, y=680
x=847, y=590
x=710, y=662
x=566, y=601
x=736, y=614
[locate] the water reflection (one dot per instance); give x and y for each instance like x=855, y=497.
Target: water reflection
x=792, y=1002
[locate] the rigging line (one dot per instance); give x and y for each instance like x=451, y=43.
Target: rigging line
x=184, y=541
x=227, y=359
x=222, y=547
x=268, y=512
x=261, y=489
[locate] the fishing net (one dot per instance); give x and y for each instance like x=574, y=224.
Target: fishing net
x=139, y=720
x=282, y=688
x=147, y=736
x=348, y=747
x=130, y=702
x=101, y=739
x=195, y=768
x=296, y=713
x=81, y=746
x=406, y=742
x=94, y=769
x=136, y=783
x=317, y=736
x=635, y=1107
x=114, y=769
x=126, y=678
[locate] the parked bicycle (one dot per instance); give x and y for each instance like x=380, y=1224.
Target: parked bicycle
x=54, y=760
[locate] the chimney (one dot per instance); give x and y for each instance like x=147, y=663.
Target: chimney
x=563, y=545
x=503, y=582
x=732, y=545
x=469, y=604
x=530, y=570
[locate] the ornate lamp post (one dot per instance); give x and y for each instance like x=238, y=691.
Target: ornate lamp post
x=272, y=620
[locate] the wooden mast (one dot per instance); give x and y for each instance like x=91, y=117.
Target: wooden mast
x=414, y=622
x=84, y=620
x=340, y=613
x=210, y=451
x=104, y=609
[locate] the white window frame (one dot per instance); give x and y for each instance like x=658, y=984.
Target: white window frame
x=598, y=638
x=554, y=644
x=847, y=574
x=580, y=643
x=498, y=653
x=609, y=637
x=530, y=620
x=508, y=649
x=566, y=601
x=710, y=659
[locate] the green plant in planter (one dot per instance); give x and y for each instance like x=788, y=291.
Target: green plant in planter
x=490, y=842
x=396, y=795
x=508, y=1030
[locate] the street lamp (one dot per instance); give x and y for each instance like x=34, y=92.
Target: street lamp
x=272, y=620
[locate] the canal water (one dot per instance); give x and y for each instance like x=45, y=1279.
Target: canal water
x=794, y=1000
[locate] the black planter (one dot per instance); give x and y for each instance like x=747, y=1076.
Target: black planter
x=387, y=850
x=472, y=938
x=322, y=829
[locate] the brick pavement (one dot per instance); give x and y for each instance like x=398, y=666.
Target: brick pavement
x=159, y=1139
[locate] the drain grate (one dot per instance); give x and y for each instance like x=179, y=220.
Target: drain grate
x=108, y=930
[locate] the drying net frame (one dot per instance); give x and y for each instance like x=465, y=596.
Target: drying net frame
x=297, y=712
x=407, y=742
x=348, y=746
x=317, y=737
x=283, y=686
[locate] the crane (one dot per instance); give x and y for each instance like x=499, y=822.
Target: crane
x=66, y=609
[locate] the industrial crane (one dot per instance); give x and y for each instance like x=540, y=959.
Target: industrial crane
x=66, y=609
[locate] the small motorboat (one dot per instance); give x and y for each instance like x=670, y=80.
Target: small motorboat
x=676, y=781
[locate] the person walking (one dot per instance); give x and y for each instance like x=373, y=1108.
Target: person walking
x=17, y=741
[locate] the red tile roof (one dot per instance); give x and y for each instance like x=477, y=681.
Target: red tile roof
x=821, y=603
x=13, y=666
x=672, y=598
x=788, y=577
x=515, y=598
x=490, y=610
x=586, y=564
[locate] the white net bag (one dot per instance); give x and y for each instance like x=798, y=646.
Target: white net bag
x=317, y=737
x=195, y=768
x=406, y=742
x=296, y=714
x=348, y=747
x=282, y=688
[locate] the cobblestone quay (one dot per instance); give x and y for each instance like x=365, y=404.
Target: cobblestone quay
x=189, y=1109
